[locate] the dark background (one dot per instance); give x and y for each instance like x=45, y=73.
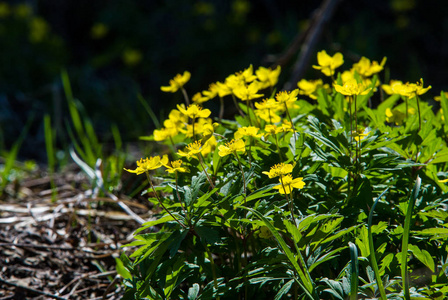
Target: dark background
x=114, y=50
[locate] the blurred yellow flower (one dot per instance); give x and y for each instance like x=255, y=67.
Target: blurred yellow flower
x=4, y=9
x=99, y=30
x=147, y=164
x=23, y=10
x=267, y=76
x=390, y=88
x=411, y=90
x=366, y=68
x=438, y=98
x=249, y=92
x=177, y=82
x=233, y=146
x=287, y=184
x=132, y=57
x=310, y=87
x=198, y=98
x=395, y=116
x=38, y=29
x=164, y=133
x=212, y=92
x=328, y=64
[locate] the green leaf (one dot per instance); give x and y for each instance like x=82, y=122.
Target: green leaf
x=172, y=275
x=285, y=289
x=423, y=256
x=435, y=233
x=306, y=283
x=121, y=270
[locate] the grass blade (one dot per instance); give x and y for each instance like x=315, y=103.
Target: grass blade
x=354, y=271
x=373, y=261
x=405, y=242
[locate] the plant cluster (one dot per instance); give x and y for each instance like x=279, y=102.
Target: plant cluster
x=310, y=193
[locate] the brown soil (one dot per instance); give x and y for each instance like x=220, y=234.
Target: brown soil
x=64, y=245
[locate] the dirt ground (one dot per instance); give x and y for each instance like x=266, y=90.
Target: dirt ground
x=63, y=245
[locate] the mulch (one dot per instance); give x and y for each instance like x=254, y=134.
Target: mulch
x=62, y=243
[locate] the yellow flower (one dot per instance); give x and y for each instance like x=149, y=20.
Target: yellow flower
x=247, y=131
x=147, y=164
x=212, y=92
x=309, y=87
x=280, y=169
x=351, y=88
x=390, y=88
x=175, y=166
x=327, y=63
x=192, y=150
x=411, y=90
x=233, y=146
x=287, y=184
x=272, y=129
x=268, y=104
x=164, y=133
x=287, y=98
x=194, y=111
x=366, y=68
x=247, y=75
x=177, y=82
x=209, y=146
x=249, y=92
x=394, y=116
x=267, y=76
x=223, y=89
x=268, y=115
x=198, y=98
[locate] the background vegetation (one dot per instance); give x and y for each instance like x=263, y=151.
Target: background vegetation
x=114, y=50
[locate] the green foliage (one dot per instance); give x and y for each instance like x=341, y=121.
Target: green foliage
x=323, y=199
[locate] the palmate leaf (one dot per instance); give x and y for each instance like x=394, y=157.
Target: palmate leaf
x=321, y=134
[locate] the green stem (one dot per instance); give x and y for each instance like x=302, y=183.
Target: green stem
x=178, y=195
x=237, y=107
x=160, y=202
x=290, y=120
x=221, y=108
x=289, y=200
x=184, y=92
x=242, y=172
x=205, y=170
x=419, y=114
x=278, y=148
